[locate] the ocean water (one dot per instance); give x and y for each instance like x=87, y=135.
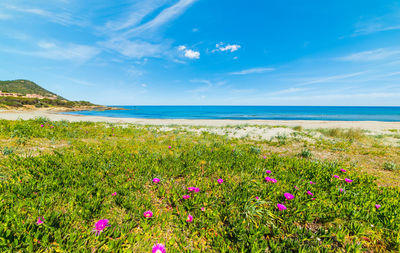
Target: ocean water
x=338, y=113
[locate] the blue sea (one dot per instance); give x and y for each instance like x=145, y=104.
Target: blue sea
x=334, y=113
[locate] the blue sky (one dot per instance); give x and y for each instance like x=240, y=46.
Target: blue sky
x=206, y=52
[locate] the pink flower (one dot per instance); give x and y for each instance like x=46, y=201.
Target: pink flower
x=310, y=193
x=257, y=198
x=336, y=176
x=377, y=206
x=311, y=182
x=196, y=189
x=313, y=199
x=169, y=147
x=281, y=207
x=348, y=180
x=148, y=214
x=42, y=125
x=202, y=209
x=342, y=170
x=39, y=221
x=341, y=190
x=158, y=248
x=189, y=218
x=100, y=226
x=268, y=172
x=114, y=194
x=297, y=188
x=269, y=179
x=220, y=181
x=186, y=196
x=156, y=180
x=190, y=189
x=288, y=196
x=264, y=157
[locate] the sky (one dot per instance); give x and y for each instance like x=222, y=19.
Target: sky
x=206, y=52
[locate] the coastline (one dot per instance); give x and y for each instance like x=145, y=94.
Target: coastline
x=55, y=115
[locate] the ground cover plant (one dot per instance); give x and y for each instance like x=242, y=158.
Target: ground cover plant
x=109, y=188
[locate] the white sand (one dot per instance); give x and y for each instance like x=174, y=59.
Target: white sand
x=374, y=126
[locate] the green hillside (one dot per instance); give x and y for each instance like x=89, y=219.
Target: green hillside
x=25, y=87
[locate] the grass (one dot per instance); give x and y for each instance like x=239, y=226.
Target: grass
x=67, y=173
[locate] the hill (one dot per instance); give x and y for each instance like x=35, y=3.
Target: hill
x=25, y=87
x=42, y=98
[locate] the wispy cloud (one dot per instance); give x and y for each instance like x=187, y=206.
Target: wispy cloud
x=49, y=50
x=332, y=78
x=134, y=38
x=189, y=53
x=208, y=85
x=222, y=47
x=384, y=23
x=62, y=18
x=137, y=48
x=371, y=55
x=4, y=16
x=164, y=17
x=252, y=71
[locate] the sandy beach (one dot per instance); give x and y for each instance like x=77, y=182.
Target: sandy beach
x=374, y=126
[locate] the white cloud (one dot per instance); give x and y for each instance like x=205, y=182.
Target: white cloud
x=189, y=53
x=143, y=85
x=252, y=71
x=165, y=16
x=4, y=16
x=137, y=39
x=328, y=79
x=46, y=45
x=62, y=18
x=222, y=47
x=371, y=55
x=136, y=49
x=72, y=52
x=388, y=22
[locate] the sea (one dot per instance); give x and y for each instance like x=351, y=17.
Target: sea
x=330, y=113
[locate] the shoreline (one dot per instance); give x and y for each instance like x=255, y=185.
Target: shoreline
x=308, y=124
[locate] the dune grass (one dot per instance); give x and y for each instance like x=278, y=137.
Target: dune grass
x=67, y=175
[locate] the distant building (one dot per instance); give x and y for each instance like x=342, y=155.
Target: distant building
x=9, y=94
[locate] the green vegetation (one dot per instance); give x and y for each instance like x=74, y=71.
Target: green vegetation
x=39, y=103
x=349, y=134
x=25, y=87
x=67, y=174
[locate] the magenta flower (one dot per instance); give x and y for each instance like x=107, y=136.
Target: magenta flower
x=220, y=181
x=288, y=196
x=342, y=170
x=148, y=214
x=190, y=189
x=100, y=226
x=257, y=198
x=313, y=199
x=311, y=182
x=189, y=218
x=264, y=157
x=336, y=176
x=269, y=179
x=377, y=206
x=114, y=194
x=268, y=172
x=281, y=207
x=341, y=190
x=169, y=147
x=156, y=180
x=42, y=125
x=203, y=209
x=186, y=196
x=40, y=221
x=310, y=193
x=348, y=180
x=196, y=189
x=158, y=248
